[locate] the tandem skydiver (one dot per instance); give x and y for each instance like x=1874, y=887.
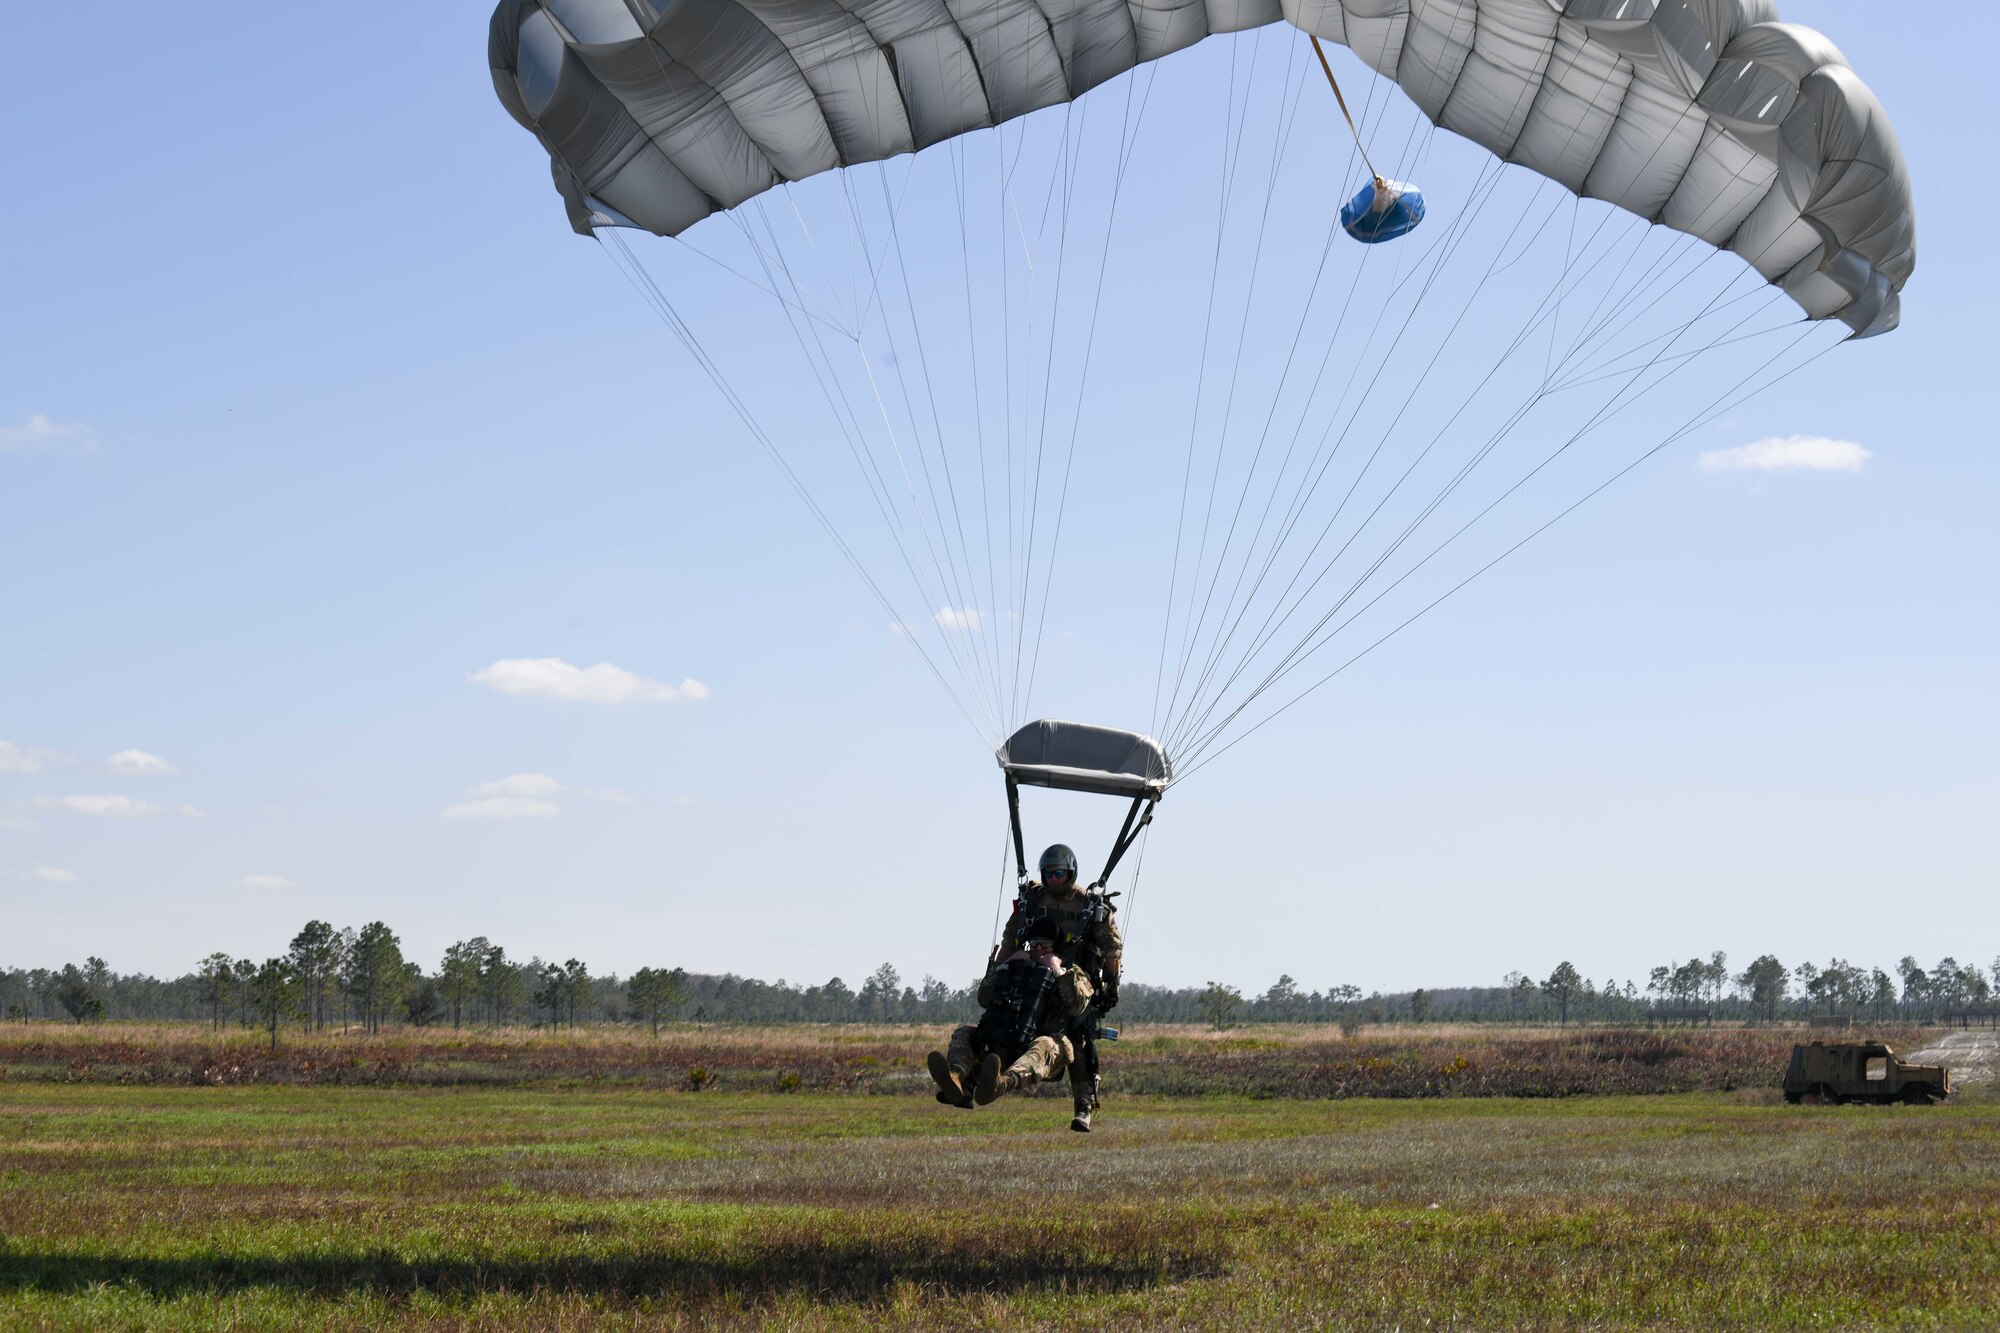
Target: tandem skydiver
x=1030, y=1000
x=1084, y=952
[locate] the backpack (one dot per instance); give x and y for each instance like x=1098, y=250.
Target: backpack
x=1013, y=1020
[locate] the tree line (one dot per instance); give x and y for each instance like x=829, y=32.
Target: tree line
x=1765, y=991
x=360, y=980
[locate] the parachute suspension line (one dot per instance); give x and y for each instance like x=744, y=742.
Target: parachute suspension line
x=1545, y=389
x=1296, y=507
x=1003, y=196
x=1032, y=489
x=1555, y=324
x=1127, y=138
x=849, y=423
x=1222, y=639
x=988, y=621
x=1200, y=382
x=1381, y=310
x=1303, y=650
x=1613, y=373
x=898, y=531
x=1716, y=409
x=770, y=447
x=737, y=273
x=944, y=567
x=1312, y=392
x=649, y=291
x=1460, y=228
x=1214, y=732
x=875, y=263
x=1306, y=646
x=964, y=616
x=1190, y=626
x=1611, y=408
x=1000, y=902
x=957, y=611
x=1198, y=711
x=1236, y=369
x=687, y=335
x=879, y=495
x=1232, y=157
x=855, y=438
x=1132, y=889
x=812, y=243
x=1334, y=84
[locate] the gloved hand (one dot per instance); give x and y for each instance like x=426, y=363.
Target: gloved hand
x=1107, y=996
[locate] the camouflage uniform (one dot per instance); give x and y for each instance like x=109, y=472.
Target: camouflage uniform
x=1050, y=1055
x=1045, y=1061
x=1069, y=909
x=1088, y=938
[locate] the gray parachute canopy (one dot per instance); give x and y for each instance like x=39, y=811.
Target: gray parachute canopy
x=1706, y=116
x=1075, y=756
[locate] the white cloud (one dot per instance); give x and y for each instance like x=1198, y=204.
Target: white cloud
x=521, y=784
x=13, y=759
x=16, y=824
x=504, y=807
x=611, y=795
x=38, y=433
x=139, y=764
x=968, y=617
x=276, y=883
x=190, y=812
x=55, y=875
x=1788, y=453
x=604, y=683
x=121, y=807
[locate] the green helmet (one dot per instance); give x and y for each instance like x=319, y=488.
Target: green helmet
x=1060, y=862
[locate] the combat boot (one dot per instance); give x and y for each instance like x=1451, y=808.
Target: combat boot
x=1080, y=1122
x=991, y=1081
x=951, y=1082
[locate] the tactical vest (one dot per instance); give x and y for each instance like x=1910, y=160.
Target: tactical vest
x=1073, y=917
x=1021, y=991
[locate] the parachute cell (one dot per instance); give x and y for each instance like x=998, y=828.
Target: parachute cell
x=1707, y=116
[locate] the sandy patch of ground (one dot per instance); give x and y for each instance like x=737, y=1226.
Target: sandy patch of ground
x=1972, y=1056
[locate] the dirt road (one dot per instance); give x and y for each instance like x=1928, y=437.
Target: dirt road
x=1972, y=1056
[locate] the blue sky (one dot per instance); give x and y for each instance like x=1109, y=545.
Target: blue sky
x=314, y=410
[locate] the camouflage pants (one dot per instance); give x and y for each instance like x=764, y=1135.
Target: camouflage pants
x=1046, y=1058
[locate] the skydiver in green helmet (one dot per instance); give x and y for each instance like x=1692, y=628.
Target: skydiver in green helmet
x=1087, y=937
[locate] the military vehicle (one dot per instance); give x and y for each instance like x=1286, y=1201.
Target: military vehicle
x=1861, y=1071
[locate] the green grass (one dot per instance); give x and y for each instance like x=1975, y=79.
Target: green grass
x=543, y=1207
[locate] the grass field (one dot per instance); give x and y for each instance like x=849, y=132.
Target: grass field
x=547, y=1206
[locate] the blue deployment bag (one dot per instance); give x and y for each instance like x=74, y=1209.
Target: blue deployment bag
x=1382, y=211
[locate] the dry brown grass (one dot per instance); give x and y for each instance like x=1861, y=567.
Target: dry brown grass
x=1264, y=1061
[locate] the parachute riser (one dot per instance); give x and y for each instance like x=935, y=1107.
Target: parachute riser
x=1137, y=816
x=1014, y=818
x=1127, y=835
